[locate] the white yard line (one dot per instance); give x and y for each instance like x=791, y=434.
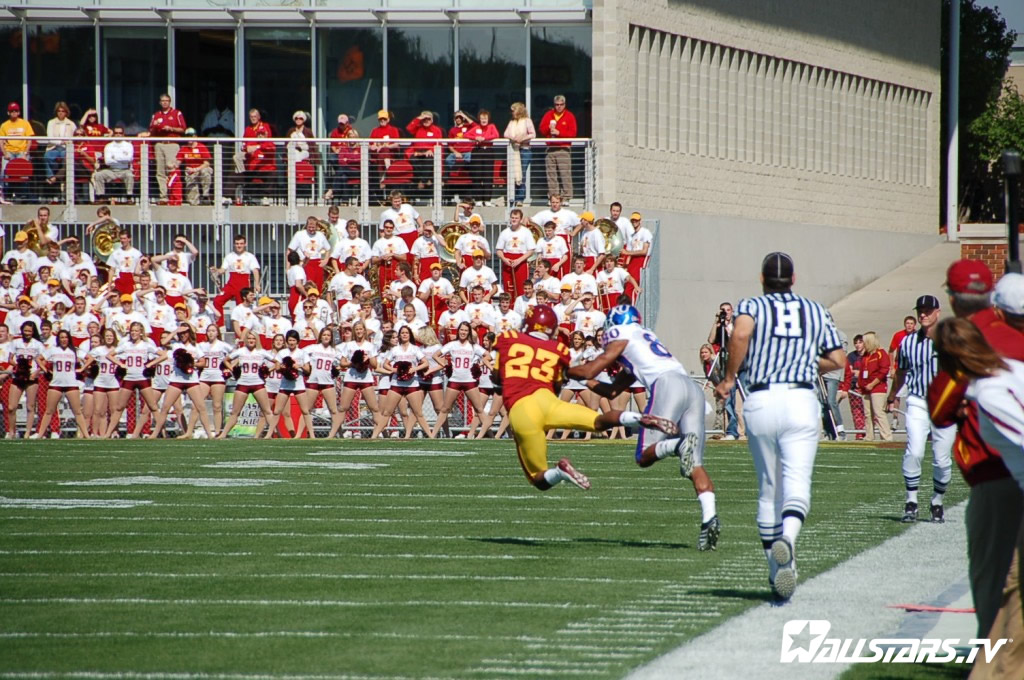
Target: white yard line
x=913, y=567
x=194, y=602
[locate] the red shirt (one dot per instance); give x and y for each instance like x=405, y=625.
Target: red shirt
x=467, y=132
x=261, y=159
x=425, y=132
x=255, y=130
x=897, y=338
x=874, y=367
x=162, y=120
x=527, y=364
x=565, y=124
x=388, y=131
x=193, y=157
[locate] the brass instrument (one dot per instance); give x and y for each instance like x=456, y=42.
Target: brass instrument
x=105, y=238
x=538, y=235
x=324, y=227
x=33, y=243
x=450, y=234
x=613, y=240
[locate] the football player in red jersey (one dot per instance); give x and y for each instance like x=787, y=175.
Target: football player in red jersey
x=529, y=365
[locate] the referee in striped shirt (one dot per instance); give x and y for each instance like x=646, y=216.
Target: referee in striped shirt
x=782, y=342
x=916, y=367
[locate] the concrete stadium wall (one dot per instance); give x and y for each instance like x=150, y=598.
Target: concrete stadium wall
x=705, y=260
x=888, y=49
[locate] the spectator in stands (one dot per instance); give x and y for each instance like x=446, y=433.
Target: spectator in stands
x=60, y=127
x=461, y=153
x=421, y=154
x=300, y=151
x=14, y=126
x=195, y=158
x=347, y=159
x=220, y=120
x=166, y=122
x=486, y=155
x=519, y=132
x=260, y=165
x=557, y=123
x=384, y=152
x=118, y=155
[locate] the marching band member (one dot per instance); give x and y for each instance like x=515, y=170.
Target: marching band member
x=592, y=244
x=124, y=264
x=464, y=212
x=424, y=252
x=624, y=225
x=167, y=273
x=61, y=361
x=243, y=316
x=22, y=353
x=402, y=282
x=352, y=246
x=185, y=356
x=461, y=358
x=404, y=217
x=358, y=360
x=296, y=278
x=567, y=223
x=410, y=319
x=321, y=308
x=243, y=270
x=408, y=299
x=78, y=320
x=478, y=275
x=402, y=362
x=580, y=280
x=506, y=317
x=612, y=282
x=637, y=251
x=589, y=320
x=133, y=355
x=273, y=324
x=543, y=280
x=105, y=384
x=159, y=314
x=434, y=292
x=451, y=318
x=339, y=290
x=292, y=364
x=565, y=310
x=313, y=248
x=552, y=249
x=323, y=359
x=308, y=326
x=514, y=246
x=482, y=317
x=212, y=380
x=470, y=242
x=388, y=251
x=122, y=319
x=250, y=365
x=24, y=258
x=523, y=303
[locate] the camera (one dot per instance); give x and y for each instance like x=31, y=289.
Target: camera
x=721, y=317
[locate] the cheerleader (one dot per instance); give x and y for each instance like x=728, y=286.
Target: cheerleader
x=61, y=362
x=359, y=360
x=579, y=354
x=251, y=368
x=87, y=374
x=431, y=378
x=323, y=361
x=133, y=355
x=273, y=385
x=161, y=380
x=212, y=380
x=402, y=362
x=486, y=386
x=292, y=363
x=461, y=358
x=187, y=360
x=105, y=385
x=22, y=357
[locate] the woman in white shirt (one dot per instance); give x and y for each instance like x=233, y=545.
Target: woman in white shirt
x=402, y=362
x=576, y=390
x=292, y=364
x=133, y=355
x=105, y=385
x=61, y=361
x=494, y=391
x=57, y=128
x=519, y=132
x=462, y=357
x=432, y=379
x=486, y=384
x=22, y=357
x=273, y=385
x=358, y=360
x=250, y=367
x=188, y=361
x=323, y=359
x=212, y=380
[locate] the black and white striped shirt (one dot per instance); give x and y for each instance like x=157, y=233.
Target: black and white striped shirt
x=919, y=363
x=790, y=333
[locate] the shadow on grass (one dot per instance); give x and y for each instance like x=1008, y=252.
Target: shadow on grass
x=760, y=595
x=513, y=540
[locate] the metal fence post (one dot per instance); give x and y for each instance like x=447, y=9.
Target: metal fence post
x=70, y=211
x=364, y=183
x=438, y=212
x=145, y=214
x=590, y=174
x=510, y=175
x=218, y=184
x=292, y=212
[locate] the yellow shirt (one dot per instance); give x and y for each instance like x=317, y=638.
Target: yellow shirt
x=18, y=128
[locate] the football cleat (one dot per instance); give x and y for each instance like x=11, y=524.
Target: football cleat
x=685, y=449
x=573, y=475
x=937, y=514
x=909, y=513
x=785, y=576
x=709, y=532
x=658, y=423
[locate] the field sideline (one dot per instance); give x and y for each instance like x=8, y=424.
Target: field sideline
x=346, y=559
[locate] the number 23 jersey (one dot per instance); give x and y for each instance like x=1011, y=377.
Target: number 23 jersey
x=644, y=355
x=527, y=364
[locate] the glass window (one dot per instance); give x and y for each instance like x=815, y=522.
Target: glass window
x=61, y=66
x=134, y=75
x=277, y=74
x=421, y=73
x=352, y=76
x=204, y=79
x=492, y=69
x=10, y=69
x=561, y=57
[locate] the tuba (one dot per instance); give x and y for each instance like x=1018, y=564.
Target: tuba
x=450, y=234
x=33, y=238
x=324, y=227
x=613, y=240
x=104, y=239
x=538, y=234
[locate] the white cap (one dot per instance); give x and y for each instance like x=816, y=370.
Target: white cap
x=1009, y=294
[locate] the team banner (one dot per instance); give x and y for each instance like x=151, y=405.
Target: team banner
x=247, y=420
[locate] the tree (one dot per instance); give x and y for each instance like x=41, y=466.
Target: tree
x=985, y=44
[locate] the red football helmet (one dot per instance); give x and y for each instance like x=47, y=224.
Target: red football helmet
x=541, y=318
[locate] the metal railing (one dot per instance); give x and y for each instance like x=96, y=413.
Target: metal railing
x=294, y=173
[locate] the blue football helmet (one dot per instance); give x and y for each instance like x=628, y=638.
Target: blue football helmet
x=623, y=314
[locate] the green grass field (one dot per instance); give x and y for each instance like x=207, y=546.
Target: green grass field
x=417, y=560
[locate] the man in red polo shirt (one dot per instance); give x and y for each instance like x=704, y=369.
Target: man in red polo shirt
x=558, y=123
x=167, y=122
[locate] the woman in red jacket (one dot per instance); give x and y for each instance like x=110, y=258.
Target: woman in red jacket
x=873, y=378
x=421, y=154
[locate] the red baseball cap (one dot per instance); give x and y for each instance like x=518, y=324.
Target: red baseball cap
x=969, y=276
x=13, y=106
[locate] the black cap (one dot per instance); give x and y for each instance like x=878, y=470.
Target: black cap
x=927, y=302
x=777, y=266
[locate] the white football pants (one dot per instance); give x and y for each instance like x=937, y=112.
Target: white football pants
x=919, y=424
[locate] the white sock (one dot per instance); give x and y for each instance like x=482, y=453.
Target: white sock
x=666, y=448
x=553, y=476
x=791, y=528
x=937, y=498
x=912, y=496
x=628, y=418
x=707, y=506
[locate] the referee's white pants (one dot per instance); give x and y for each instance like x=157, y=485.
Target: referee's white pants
x=782, y=429
x=919, y=424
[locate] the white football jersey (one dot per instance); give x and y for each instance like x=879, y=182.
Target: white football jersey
x=644, y=356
